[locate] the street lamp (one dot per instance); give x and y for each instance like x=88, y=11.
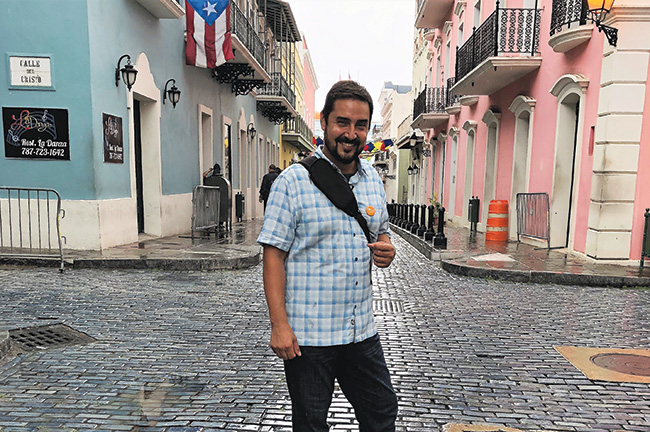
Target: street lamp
x=599, y=10
x=173, y=93
x=129, y=73
x=251, y=131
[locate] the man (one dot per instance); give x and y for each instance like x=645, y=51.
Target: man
x=317, y=264
x=267, y=181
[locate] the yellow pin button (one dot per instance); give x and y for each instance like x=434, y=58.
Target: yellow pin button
x=370, y=210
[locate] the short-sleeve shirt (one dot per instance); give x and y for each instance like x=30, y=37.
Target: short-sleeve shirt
x=328, y=291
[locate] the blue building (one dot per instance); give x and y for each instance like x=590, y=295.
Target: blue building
x=124, y=160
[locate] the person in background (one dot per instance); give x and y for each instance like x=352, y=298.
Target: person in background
x=267, y=181
x=317, y=265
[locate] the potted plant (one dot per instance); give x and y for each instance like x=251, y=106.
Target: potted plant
x=437, y=205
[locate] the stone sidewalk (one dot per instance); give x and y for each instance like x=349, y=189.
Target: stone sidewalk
x=468, y=254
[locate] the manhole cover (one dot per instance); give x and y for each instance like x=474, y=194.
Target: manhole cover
x=630, y=364
x=48, y=336
x=390, y=306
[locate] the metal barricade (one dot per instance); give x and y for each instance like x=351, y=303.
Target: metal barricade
x=533, y=216
x=205, y=208
x=30, y=223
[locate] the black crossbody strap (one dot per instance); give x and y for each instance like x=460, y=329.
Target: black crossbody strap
x=335, y=188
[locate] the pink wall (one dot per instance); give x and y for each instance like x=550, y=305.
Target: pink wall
x=309, y=96
x=642, y=195
x=584, y=60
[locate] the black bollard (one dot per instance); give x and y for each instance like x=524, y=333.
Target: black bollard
x=428, y=236
x=440, y=241
x=416, y=219
x=405, y=216
x=410, y=222
x=423, y=227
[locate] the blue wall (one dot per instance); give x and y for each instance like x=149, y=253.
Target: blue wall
x=85, y=38
x=58, y=30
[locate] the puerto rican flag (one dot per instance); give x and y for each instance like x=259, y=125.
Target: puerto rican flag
x=208, y=33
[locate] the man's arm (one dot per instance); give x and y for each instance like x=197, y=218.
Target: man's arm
x=283, y=341
x=383, y=251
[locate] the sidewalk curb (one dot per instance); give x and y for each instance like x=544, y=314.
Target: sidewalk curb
x=541, y=277
x=176, y=264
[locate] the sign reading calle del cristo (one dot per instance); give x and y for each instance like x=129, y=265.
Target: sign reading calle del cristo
x=30, y=71
x=36, y=133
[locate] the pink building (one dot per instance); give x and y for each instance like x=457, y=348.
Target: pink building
x=536, y=100
x=311, y=83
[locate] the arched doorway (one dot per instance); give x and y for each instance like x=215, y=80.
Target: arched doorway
x=491, y=119
x=522, y=107
x=569, y=91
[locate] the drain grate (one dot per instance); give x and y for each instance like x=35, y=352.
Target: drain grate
x=388, y=306
x=48, y=336
x=631, y=364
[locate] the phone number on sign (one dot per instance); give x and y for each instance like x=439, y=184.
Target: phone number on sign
x=43, y=152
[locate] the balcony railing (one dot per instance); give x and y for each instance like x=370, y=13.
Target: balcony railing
x=566, y=13
x=451, y=98
x=430, y=100
x=246, y=33
x=299, y=126
x=279, y=87
x=505, y=31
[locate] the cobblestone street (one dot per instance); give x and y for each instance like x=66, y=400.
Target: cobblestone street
x=188, y=351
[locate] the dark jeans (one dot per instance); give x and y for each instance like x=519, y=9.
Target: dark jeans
x=361, y=371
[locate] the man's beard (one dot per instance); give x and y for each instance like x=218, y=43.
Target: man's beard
x=343, y=158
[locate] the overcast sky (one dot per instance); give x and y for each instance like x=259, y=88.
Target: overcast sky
x=372, y=40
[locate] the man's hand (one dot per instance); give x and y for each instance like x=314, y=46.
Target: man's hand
x=284, y=342
x=383, y=251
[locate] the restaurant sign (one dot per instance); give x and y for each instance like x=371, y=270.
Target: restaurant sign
x=36, y=133
x=113, y=141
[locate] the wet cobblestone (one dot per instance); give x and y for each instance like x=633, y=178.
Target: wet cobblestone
x=188, y=351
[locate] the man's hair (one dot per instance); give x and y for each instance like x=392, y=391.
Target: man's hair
x=345, y=90
x=272, y=167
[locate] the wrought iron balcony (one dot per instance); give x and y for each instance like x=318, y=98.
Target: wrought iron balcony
x=248, y=70
x=430, y=100
x=569, y=24
x=452, y=99
x=244, y=30
x=429, y=108
x=508, y=38
x=276, y=100
x=297, y=132
x=567, y=13
x=279, y=87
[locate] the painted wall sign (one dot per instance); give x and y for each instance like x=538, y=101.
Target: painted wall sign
x=30, y=71
x=113, y=142
x=36, y=133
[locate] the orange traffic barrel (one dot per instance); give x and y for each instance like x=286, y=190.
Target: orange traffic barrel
x=497, y=221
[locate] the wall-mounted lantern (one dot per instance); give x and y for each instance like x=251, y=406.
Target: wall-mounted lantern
x=129, y=73
x=251, y=131
x=599, y=10
x=174, y=94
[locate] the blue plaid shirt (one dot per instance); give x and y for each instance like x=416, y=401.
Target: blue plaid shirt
x=328, y=293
